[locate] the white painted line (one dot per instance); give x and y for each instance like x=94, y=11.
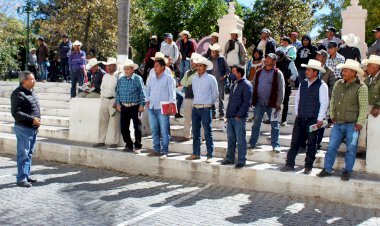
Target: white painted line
x=162, y=208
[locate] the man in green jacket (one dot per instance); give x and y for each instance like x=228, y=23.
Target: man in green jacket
x=348, y=106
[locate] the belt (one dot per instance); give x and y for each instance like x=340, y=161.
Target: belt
x=129, y=104
x=110, y=98
x=202, y=105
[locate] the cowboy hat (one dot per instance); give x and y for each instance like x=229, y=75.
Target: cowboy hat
x=351, y=40
x=77, y=43
x=216, y=34
x=373, y=59
x=195, y=56
x=215, y=47
x=184, y=32
x=376, y=30
x=160, y=56
x=265, y=30
x=314, y=64
x=110, y=61
x=235, y=31
x=91, y=63
x=204, y=61
x=353, y=65
x=130, y=63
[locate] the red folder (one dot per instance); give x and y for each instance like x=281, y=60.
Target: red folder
x=166, y=105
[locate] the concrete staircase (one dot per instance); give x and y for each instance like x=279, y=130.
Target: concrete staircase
x=261, y=173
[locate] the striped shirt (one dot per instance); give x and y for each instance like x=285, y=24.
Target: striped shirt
x=130, y=90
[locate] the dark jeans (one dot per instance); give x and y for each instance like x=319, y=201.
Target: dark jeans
x=179, y=98
x=126, y=114
x=300, y=133
x=76, y=77
x=202, y=116
x=65, y=68
x=288, y=91
x=321, y=132
x=236, y=135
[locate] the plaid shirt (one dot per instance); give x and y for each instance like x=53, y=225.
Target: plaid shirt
x=130, y=90
x=332, y=63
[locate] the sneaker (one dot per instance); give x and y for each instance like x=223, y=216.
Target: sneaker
x=137, y=151
x=163, y=156
x=277, y=149
x=209, y=160
x=287, y=168
x=239, y=165
x=307, y=170
x=154, y=154
x=99, y=145
x=324, y=173
x=113, y=146
x=127, y=149
x=24, y=184
x=193, y=157
x=226, y=162
x=345, y=175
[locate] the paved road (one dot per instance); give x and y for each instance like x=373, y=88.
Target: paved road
x=75, y=195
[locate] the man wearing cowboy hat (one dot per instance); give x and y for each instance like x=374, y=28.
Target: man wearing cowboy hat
x=205, y=89
x=77, y=62
x=234, y=50
x=375, y=48
x=32, y=61
x=158, y=56
x=268, y=94
x=64, y=53
x=43, y=59
x=266, y=43
x=130, y=100
x=348, y=47
x=330, y=37
x=186, y=47
x=214, y=40
x=161, y=87
x=312, y=100
x=348, y=111
x=220, y=70
x=373, y=84
x=95, y=77
x=108, y=115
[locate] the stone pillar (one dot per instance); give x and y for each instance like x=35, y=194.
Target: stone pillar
x=227, y=23
x=354, y=18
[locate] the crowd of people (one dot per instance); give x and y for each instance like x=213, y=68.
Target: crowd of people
x=335, y=87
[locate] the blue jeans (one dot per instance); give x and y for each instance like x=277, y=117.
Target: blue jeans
x=338, y=133
x=184, y=66
x=26, y=140
x=43, y=71
x=159, y=123
x=275, y=130
x=202, y=116
x=236, y=134
x=76, y=77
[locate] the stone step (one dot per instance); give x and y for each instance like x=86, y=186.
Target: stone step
x=43, y=103
x=44, y=131
x=42, y=96
x=44, y=111
x=264, y=153
x=46, y=119
x=256, y=175
x=41, y=89
x=38, y=84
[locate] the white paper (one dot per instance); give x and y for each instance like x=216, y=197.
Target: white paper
x=275, y=116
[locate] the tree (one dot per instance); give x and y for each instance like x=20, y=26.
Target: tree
x=123, y=27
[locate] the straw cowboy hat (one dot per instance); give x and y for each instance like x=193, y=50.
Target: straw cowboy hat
x=215, y=34
x=130, y=63
x=204, y=61
x=353, y=65
x=373, y=59
x=91, y=63
x=77, y=43
x=351, y=40
x=235, y=31
x=215, y=47
x=195, y=56
x=110, y=61
x=184, y=32
x=314, y=64
x=159, y=56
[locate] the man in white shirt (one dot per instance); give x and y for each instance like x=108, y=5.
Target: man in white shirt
x=234, y=50
x=108, y=116
x=311, y=104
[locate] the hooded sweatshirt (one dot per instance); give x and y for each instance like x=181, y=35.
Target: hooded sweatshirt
x=305, y=53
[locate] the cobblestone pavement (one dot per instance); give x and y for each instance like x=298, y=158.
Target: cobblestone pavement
x=76, y=195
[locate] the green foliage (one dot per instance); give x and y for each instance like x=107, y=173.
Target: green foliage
x=10, y=36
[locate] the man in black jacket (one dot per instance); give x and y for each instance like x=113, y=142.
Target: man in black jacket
x=304, y=54
x=26, y=112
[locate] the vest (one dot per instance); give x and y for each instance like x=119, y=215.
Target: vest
x=373, y=91
x=346, y=101
x=274, y=90
x=309, y=104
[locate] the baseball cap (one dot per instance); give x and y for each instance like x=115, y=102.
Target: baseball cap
x=271, y=55
x=322, y=52
x=376, y=30
x=332, y=29
x=169, y=35
x=265, y=30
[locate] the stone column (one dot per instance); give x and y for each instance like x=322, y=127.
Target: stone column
x=227, y=23
x=354, y=18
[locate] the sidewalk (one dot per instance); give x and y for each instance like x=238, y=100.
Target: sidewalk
x=75, y=195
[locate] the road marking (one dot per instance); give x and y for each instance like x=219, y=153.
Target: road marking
x=165, y=207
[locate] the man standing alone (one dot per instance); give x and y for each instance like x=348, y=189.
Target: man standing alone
x=77, y=61
x=25, y=110
x=64, y=53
